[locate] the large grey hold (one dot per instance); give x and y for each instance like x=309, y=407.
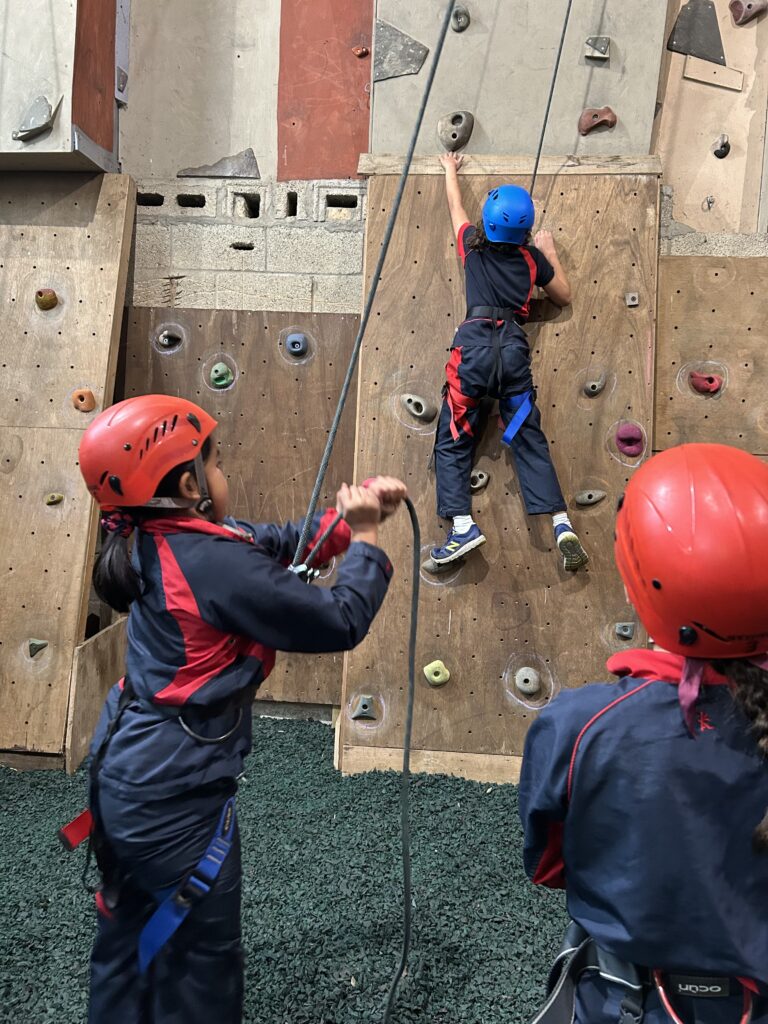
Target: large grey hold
x=527, y=681
x=590, y=497
x=241, y=165
x=455, y=130
x=419, y=407
x=395, y=53
x=594, y=386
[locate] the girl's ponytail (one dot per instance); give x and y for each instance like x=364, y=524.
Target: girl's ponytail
x=114, y=579
x=750, y=686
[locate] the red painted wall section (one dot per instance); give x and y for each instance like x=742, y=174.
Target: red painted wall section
x=323, y=100
x=93, y=87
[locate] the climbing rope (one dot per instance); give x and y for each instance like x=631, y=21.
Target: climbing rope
x=551, y=94
x=307, y=527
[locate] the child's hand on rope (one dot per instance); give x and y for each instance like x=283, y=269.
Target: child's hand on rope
x=545, y=243
x=451, y=162
x=390, y=491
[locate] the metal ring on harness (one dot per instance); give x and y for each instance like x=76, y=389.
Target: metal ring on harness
x=212, y=739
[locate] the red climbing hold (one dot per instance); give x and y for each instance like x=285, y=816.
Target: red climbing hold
x=706, y=383
x=597, y=117
x=630, y=439
x=743, y=12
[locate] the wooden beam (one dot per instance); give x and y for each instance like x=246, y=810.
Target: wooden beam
x=31, y=762
x=385, y=163
x=98, y=664
x=495, y=768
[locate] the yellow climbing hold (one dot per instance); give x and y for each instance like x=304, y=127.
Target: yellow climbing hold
x=436, y=673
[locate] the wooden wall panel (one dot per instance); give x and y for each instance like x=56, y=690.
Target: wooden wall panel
x=323, y=101
x=712, y=320
x=97, y=666
x=274, y=425
x=70, y=233
x=93, y=83
x=511, y=605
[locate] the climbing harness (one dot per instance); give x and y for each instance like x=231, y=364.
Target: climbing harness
x=549, y=99
x=520, y=406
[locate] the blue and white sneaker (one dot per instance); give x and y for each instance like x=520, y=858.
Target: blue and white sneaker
x=569, y=546
x=457, y=545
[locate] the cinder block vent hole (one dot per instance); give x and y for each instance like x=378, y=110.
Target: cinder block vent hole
x=149, y=199
x=251, y=204
x=246, y=246
x=291, y=204
x=186, y=199
x=341, y=202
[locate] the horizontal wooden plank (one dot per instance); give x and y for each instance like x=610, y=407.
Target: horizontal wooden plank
x=31, y=762
x=387, y=163
x=496, y=768
x=698, y=70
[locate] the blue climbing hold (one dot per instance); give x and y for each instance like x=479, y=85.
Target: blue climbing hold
x=297, y=345
x=508, y=214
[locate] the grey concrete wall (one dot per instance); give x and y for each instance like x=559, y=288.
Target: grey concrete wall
x=221, y=255
x=678, y=239
x=203, y=84
x=500, y=69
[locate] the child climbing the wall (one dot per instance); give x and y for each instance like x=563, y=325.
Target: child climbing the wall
x=646, y=799
x=490, y=357
x=210, y=601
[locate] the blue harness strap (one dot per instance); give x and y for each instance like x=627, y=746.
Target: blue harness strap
x=521, y=406
x=175, y=906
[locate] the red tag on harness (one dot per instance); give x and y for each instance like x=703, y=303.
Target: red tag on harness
x=77, y=831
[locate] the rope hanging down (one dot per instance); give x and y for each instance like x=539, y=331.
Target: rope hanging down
x=551, y=94
x=307, y=527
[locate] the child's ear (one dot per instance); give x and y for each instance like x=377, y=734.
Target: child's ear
x=188, y=486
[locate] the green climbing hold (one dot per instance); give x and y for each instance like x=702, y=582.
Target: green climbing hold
x=436, y=673
x=35, y=646
x=221, y=376
x=54, y=499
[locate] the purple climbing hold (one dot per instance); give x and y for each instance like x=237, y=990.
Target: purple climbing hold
x=705, y=383
x=743, y=12
x=630, y=439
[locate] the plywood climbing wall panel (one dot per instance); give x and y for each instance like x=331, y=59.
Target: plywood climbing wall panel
x=274, y=423
x=511, y=606
x=69, y=233
x=711, y=361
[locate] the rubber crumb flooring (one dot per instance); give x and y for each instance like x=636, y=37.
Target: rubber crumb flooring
x=322, y=898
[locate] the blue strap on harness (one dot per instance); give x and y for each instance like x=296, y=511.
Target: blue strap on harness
x=173, y=910
x=521, y=406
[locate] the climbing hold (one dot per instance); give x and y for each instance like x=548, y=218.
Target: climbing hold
x=592, y=388
x=705, y=383
x=597, y=47
x=632, y=299
x=54, y=499
x=696, y=32
x=528, y=681
x=460, y=18
x=35, y=646
x=589, y=497
x=38, y=118
x=221, y=375
x=436, y=673
x=168, y=340
x=479, y=480
x=596, y=117
x=297, y=345
x=723, y=144
x=435, y=569
x=363, y=707
x=455, y=130
x=361, y=51
x=419, y=407
x=46, y=298
x=625, y=630
x=630, y=439
x=84, y=400
x=708, y=203
x=744, y=12
x=395, y=53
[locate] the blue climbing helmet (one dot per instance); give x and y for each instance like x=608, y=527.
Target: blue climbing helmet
x=508, y=214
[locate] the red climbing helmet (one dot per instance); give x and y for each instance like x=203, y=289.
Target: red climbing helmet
x=692, y=550
x=130, y=447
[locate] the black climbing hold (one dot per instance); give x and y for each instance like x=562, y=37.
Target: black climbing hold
x=460, y=18
x=697, y=32
x=597, y=47
x=114, y=483
x=688, y=635
x=35, y=646
x=297, y=345
x=455, y=130
x=592, y=388
x=722, y=147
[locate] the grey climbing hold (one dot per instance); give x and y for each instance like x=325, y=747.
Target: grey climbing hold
x=436, y=569
x=363, y=706
x=479, y=480
x=632, y=299
x=460, y=18
x=625, y=630
x=594, y=386
x=455, y=130
x=395, y=53
x=168, y=340
x=528, y=681
x=697, y=32
x=221, y=375
x=38, y=118
x=419, y=407
x=35, y=646
x=54, y=499
x=297, y=345
x=590, y=497
x=241, y=165
x=436, y=673
x=597, y=47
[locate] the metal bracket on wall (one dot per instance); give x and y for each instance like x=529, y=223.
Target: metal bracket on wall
x=38, y=118
x=697, y=32
x=395, y=53
x=598, y=47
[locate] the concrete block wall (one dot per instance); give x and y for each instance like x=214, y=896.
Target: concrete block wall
x=229, y=244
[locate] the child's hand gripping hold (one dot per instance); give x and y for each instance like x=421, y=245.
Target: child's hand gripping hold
x=364, y=507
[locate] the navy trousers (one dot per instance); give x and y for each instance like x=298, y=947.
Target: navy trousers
x=469, y=371
x=198, y=977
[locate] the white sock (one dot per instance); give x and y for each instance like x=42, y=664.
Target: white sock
x=561, y=519
x=462, y=524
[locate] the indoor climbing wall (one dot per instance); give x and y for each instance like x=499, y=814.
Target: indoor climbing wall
x=272, y=380
x=711, y=361
x=510, y=617
x=64, y=244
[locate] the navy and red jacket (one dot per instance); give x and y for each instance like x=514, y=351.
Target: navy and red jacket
x=647, y=827
x=218, y=602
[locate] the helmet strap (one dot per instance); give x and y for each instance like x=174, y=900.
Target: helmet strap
x=204, y=505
